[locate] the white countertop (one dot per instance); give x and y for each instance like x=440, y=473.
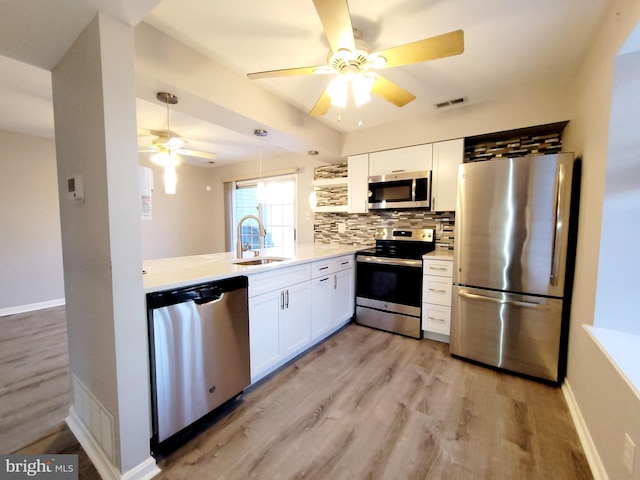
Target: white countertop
x=165, y=273
x=439, y=255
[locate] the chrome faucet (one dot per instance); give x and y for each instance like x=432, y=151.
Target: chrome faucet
x=261, y=232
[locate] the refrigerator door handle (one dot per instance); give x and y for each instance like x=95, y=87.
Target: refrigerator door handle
x=501, y=301
x=558, y=224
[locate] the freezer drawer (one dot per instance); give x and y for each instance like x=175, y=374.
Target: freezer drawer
x=514, y=332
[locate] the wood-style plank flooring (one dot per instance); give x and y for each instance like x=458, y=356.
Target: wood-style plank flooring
x=35, y=389
x=367, y=404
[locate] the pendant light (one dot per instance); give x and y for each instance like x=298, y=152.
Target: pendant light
x=260, y=133
x=166, y=157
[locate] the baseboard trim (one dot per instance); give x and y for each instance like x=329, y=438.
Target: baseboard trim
x=595, y=463
x=144, y=471
x=31, y=307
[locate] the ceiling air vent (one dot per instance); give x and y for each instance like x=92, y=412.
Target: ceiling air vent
x=450, y=103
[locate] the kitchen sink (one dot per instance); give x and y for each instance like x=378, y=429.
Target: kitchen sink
x=258, y=260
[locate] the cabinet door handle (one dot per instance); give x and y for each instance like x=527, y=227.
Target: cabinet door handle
x=435, y=319
x=324, y=279
x=282, y=300
x=346, y=263
x=335, y=282
x=287, y=297
x=323, y=268
x=431, y=267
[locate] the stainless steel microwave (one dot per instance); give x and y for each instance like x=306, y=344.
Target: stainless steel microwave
x=400, y=190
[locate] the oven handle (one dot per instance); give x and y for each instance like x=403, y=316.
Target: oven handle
x=404, y=262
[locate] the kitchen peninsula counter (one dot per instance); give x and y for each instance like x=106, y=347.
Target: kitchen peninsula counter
x=175, y=272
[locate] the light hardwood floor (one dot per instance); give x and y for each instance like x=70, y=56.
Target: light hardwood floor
x=35, y=389
x=367, y=404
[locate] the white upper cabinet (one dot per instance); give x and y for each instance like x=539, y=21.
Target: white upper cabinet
x=358, y=168
x=446, y=157
x=407, y=159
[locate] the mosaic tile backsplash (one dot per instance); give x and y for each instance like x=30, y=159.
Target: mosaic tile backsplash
x=514, y=146
x=360, y=227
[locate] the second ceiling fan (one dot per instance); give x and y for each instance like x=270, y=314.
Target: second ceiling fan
x=351, y=62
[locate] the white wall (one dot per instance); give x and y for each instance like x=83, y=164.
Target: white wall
x=607, y=404
x=30, y=246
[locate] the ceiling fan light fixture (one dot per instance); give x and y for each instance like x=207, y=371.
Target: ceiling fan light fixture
x=377, y=61
x=337, y=90
x=160, y=158
x=361, y=86
x=175, y=142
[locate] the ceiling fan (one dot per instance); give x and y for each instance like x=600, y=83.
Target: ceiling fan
x=351, y=62
x=169, y=142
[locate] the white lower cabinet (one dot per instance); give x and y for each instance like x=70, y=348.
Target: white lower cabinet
x=436, y=298
x=295, y=318
x=291, y=309
x=332, y=294
x=279, y=318
x=264, y=332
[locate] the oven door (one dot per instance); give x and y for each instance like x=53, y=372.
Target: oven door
x=389, y=294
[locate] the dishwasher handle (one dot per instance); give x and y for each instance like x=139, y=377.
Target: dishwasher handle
x=200, y=294
x=208, y=295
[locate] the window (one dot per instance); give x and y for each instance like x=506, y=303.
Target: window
x=277, y=211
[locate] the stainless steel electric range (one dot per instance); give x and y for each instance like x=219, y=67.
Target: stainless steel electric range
x=389, y=280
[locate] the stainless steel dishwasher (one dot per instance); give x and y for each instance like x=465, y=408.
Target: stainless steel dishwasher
x=199, y=353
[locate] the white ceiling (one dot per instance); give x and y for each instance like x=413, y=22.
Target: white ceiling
x=511, y=47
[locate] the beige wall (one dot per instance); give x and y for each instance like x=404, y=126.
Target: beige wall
x=30, y=245
x=537, y=107
x=605, y=400
x=181, y=224
x=303, y=163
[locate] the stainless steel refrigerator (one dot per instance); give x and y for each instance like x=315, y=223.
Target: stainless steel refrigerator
x=510, y=257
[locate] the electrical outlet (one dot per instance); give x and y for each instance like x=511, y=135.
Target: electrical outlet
x=627, y=453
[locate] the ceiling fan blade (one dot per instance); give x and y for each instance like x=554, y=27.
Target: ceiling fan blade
x=196, y=153
x=287, y=72
x=322, y=106
x=392, y=92
x=441, y=46
x=336, y=21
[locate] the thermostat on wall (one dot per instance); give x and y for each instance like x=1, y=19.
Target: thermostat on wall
x=75, y=189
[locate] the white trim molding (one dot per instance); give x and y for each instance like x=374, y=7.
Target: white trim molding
x=31, y=307
x=595, y=463
x=144, y=471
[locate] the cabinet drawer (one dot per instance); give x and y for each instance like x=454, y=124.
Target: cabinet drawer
x=436, y=290
x=331, y=265
x=321, y=267
x=341, y=263
x=440, y=268
x=436, y=318
x=279, y=278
